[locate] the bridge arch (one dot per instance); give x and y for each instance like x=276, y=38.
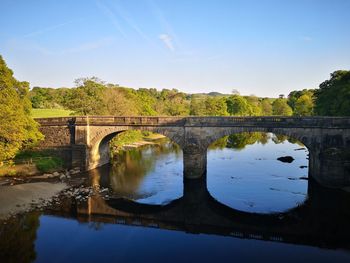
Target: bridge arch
x=98, y=146
x=253, y=179
x=298, y=134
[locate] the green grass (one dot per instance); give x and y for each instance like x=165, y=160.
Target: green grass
x=46, y=113
x=50, y=164
x=43, y=160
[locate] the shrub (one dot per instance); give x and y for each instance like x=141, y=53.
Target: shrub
x=49, y=164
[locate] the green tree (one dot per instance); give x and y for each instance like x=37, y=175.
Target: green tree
x=215, y=106
x=238, y=106
x=266, y=107
x=255, y=105
x=301, y=106
x=175, y=102
x=117, y=103
x=197, y=106
x=17, y=128
x=87, y=98
x=281, y=108
x=304, y=106
x=333, y=96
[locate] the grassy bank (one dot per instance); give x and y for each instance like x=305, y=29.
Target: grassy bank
x=132, y=137
x=32, y=162
x=47, y=113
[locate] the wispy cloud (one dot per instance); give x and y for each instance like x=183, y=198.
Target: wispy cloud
x=169, y=36
x=122, y=13
x=83, y=47
x=46, y=30
x=88, y=46
x=166, y=39
x=306, y=38
x=111, y=16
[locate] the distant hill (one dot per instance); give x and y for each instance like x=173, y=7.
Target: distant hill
x=211, y=94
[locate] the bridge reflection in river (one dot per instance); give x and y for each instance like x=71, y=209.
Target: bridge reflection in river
x=317, y=222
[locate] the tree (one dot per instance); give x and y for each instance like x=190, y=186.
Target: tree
x=301, y=106
x=118, y=104
x=333, y=96
x=87, y=98
x=175, y=102
x=215, y=106
x=266, y=107
x=238, y=106
x=255, y=105
x=304, y=106
x=17, y=127
x=197, y=106
x=281, y=108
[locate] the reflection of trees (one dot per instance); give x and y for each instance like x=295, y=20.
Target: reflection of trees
x=240, y=140
x=17, y=242
x=277, y=138
x=219, y=144
x=130, y=167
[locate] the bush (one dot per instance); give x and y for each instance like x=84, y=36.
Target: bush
x=49, y=164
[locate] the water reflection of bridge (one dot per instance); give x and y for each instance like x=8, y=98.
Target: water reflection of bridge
x=317, y=222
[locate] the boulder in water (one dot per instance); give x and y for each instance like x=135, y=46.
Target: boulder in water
x=286, y=159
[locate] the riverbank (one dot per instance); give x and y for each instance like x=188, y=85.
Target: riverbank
x=21, y=198
x=149, y=140
x=27, y=188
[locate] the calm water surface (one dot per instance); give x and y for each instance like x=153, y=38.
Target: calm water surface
x=263, y=196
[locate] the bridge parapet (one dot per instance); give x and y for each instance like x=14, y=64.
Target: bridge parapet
x=208, y=121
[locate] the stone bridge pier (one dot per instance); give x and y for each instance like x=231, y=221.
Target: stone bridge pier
x=84, y=141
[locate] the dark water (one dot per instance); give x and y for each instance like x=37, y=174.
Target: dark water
x=250, y=208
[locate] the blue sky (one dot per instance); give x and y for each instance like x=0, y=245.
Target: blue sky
x=258, y=47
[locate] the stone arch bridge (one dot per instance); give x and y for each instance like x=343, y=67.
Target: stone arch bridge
x=83, y=141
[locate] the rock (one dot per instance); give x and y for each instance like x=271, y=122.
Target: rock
x=55, y=174
x=300, y=149
x=286, y=159
x=62, y=177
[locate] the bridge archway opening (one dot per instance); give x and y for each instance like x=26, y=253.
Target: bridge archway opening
x=143, y=166
x=258, y=172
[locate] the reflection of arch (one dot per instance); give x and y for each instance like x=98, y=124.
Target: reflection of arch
x=292, y=133
x=99, y=141
x=316, y=222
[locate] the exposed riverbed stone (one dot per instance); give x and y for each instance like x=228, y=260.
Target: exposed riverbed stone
x=20, y=198
x=286, y=159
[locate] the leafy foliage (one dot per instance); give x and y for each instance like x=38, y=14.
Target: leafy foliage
x=281, y=108
x=238, y=106
x=333, y=97
x=17, y=128
x=302, y=102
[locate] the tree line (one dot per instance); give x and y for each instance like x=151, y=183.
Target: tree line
x=91, y=96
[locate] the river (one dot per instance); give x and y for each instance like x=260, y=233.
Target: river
x=250, y=207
